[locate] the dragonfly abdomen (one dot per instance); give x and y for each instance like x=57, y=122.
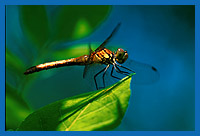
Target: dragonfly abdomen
x=55, y=64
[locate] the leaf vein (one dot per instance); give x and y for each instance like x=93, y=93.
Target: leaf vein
x=105, y=106
x=77, y=117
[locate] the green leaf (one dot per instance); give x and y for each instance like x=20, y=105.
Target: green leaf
x=78, y=21
x=82, y=29
x=16, y=108
x=98, y=110
x=14, y=63
x=35, y=23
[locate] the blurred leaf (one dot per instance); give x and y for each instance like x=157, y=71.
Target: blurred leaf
x=82, y=29
x=73, y=51
x=14, y=63
x=10, y=130
x=84, y=17
x=77, y=50
x=35, y=23
x=98, y=110
x=16, y=108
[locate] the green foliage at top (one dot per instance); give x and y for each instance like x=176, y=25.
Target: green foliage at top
x=82, y=29
x=98, y=110
x=72, y=22
x=35, y=24
x=84, y=18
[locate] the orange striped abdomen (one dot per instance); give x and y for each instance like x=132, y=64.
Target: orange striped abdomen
x=55, y=64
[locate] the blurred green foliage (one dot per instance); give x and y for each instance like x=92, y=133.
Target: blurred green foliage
x=72, y=23
x=98, y=110
x=35, y=24
x=82, y=29
x=74, y=51
x=14, y=63
x=74, y=17
x=16, y=108
x=78, y=50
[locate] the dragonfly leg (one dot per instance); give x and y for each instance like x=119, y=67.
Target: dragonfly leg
x=104, y=75
x=119, y=71
x=122, y=72
x=97, y=75
x=113, y=75
x=125, y=68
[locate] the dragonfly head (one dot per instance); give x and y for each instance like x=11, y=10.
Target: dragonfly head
x=121, y=55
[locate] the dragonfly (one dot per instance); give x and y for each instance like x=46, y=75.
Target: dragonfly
x=102, y=56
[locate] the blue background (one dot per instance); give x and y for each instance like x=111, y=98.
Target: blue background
x=171, y=94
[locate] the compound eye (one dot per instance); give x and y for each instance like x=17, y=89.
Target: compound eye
x=120, y=53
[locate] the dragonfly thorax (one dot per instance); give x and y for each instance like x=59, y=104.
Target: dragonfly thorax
x=121, y=55
x=104, y=56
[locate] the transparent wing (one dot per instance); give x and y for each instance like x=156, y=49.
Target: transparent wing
x=145, y=73
x=88, y=62
x=92, y=70
x=108, y=38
